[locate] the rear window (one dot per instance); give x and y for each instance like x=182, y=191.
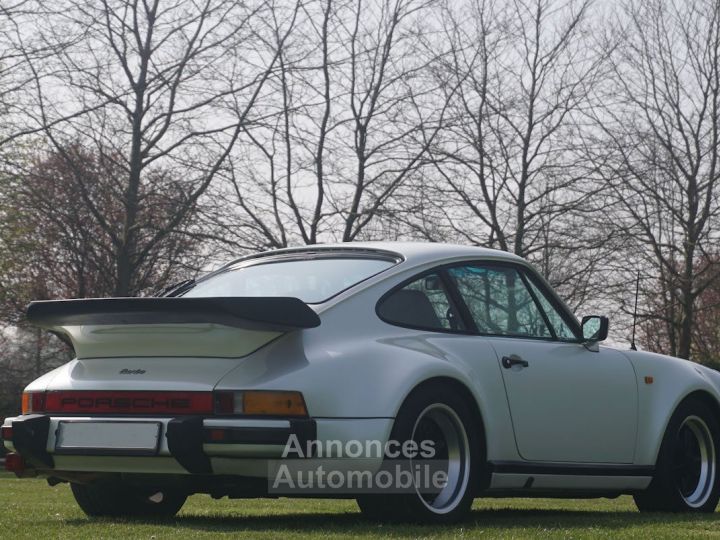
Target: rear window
x=311, y=280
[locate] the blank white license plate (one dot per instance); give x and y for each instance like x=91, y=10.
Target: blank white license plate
x=109, y=438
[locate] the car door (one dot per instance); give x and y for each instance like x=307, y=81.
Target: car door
x=568, y=403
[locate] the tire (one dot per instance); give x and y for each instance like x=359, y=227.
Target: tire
x=686, y=474
x=440, y=414
x=115, y=499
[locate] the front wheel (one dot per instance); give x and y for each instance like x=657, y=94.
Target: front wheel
x=686, y=477
x=439, y=416
x=115, y=499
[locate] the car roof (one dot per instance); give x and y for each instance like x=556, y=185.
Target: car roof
x=414, y=253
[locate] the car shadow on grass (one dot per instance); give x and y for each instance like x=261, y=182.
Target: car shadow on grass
x=487, y=520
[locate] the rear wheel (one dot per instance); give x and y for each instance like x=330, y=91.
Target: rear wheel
x=115, y=499
x=439, y=415
x=686, y=476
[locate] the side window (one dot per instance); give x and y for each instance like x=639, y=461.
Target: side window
x=562, y=329
x=499, y=302
x=424, y=304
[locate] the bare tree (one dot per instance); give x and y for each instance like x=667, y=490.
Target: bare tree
x=357, y=109
x=162, y=87
x=26, y=353
x=392, y=124
x=508, y=169
x=59, y=249
x=659, y=156
x=23, y=60
x=11, y=58
x=706, y=332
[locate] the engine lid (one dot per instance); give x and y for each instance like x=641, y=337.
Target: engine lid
x=171, y=327
x=168, y=340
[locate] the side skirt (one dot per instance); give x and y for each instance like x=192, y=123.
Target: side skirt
x=528, y=478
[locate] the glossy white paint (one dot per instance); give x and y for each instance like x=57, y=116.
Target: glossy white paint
x=160, y=373
x=571, y=405
x=188, y=340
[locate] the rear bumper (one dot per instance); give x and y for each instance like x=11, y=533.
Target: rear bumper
x=188, y=445
x=191, y=441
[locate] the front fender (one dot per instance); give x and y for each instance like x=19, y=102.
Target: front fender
x=673, y=380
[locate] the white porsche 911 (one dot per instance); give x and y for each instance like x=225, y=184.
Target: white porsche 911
x=284, y=373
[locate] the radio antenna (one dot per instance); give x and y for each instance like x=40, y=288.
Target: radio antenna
x=637, y=292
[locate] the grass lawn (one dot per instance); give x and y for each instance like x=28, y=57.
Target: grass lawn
x=32, y=509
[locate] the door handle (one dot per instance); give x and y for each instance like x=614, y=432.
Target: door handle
x=513, y=360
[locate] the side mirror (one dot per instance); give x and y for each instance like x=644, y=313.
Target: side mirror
x=595, y=328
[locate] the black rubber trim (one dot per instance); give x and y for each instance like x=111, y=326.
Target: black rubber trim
x=249, y=435
x=261, y=313
x=186, y=436
x=185, y=442
x=305, y=430
x=30, y=436
x=569, y=469
x=354, y=417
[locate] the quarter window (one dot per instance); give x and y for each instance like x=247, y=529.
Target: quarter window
x=423, y=303
x=499, y=301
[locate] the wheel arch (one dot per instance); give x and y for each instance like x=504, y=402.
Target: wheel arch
x=705, y=397
x=666, y=493
x=702, y=395
x=462, y=389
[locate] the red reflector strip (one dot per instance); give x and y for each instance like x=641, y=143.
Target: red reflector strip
x=129, y=402
x=224, y=402
x=6, y=433
x=38, y=401
x=217, y=435
x=14, y=462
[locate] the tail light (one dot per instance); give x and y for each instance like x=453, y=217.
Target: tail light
x=6, y=433
x=247, y=403
x=128, y=402
x=260, y=403
x=33, y=402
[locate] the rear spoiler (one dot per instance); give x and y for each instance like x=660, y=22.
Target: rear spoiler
x=280, y=314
